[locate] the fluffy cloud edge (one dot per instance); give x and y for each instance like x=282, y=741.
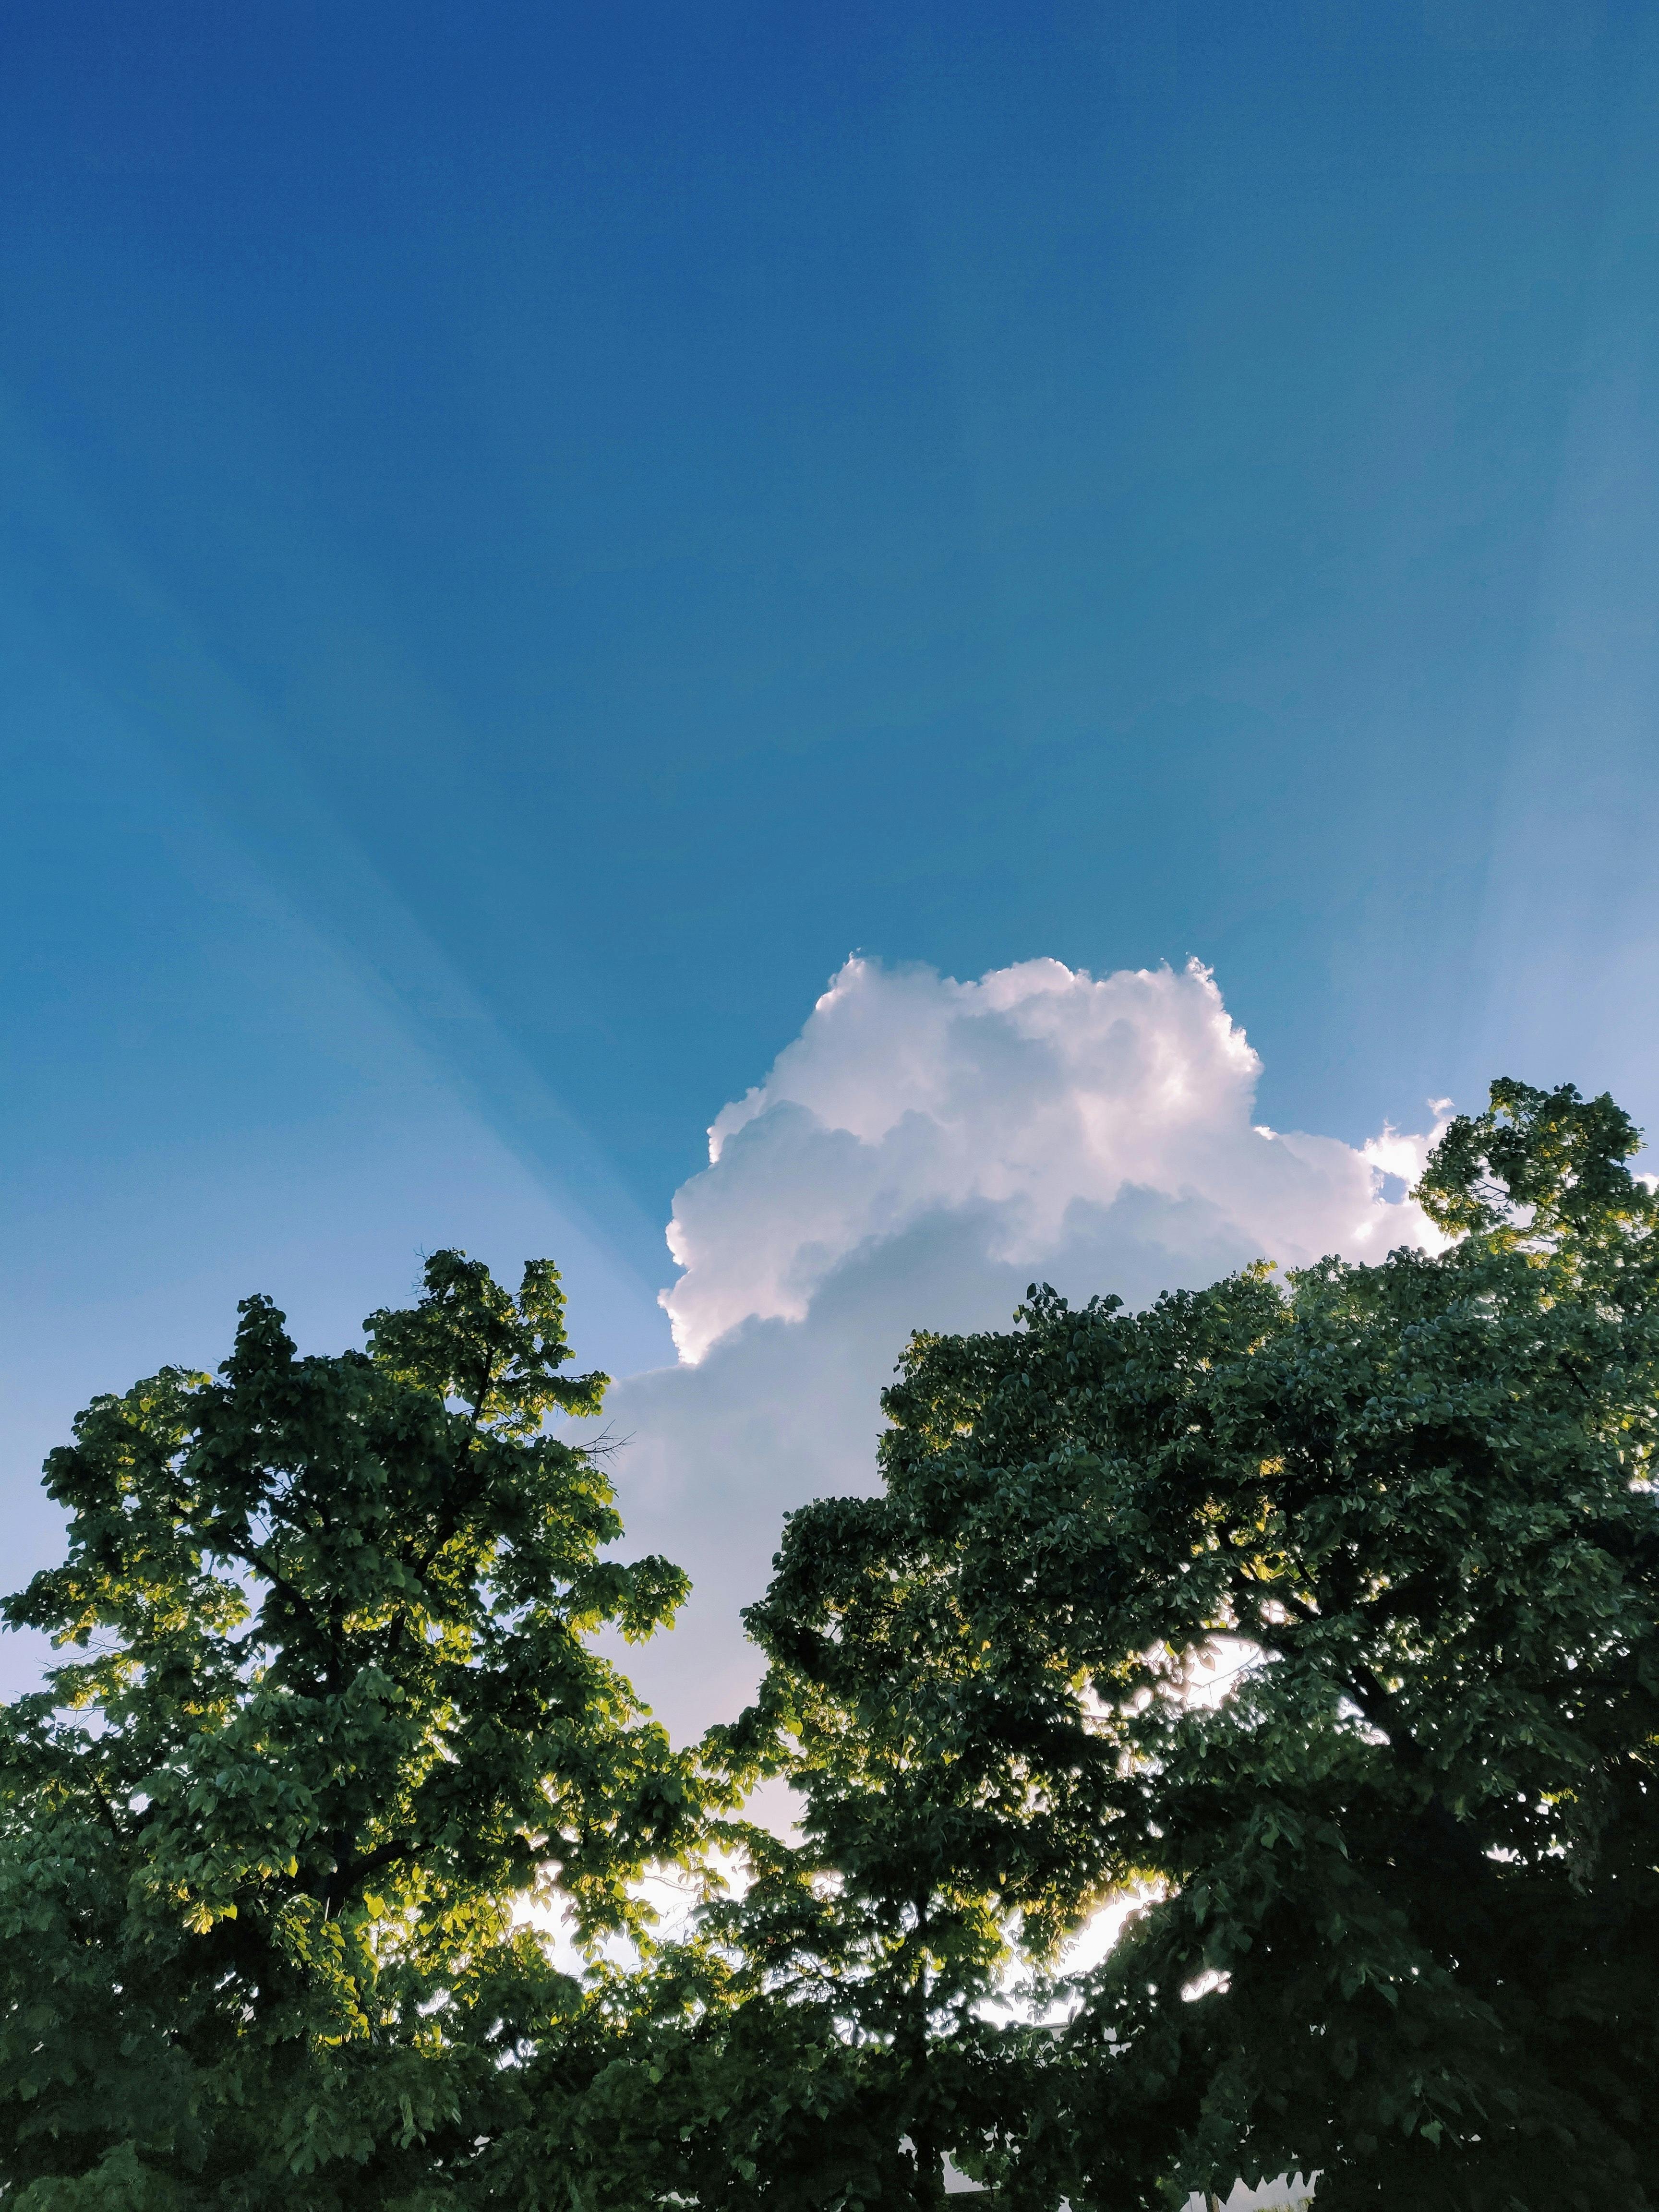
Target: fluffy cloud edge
x=1033, y=1089
x=922, y=1151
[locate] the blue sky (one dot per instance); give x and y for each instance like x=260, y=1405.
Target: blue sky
x=530, y=532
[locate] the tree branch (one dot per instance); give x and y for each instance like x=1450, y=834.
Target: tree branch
x=344, y=1879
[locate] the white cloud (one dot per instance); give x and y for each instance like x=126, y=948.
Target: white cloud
x=922, y=1151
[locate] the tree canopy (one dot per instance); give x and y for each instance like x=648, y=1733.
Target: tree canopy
x=1398, y=1865
x=328, y=1717
x=1316, y=1619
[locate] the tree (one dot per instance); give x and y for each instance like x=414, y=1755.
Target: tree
x=1321, y=1618
x=331, y=1717
x=815, y=2044
x=820, y=2041
x=886, y=1926
x=1398, y=1866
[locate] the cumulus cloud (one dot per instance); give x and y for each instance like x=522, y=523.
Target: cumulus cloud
x=919, y=1153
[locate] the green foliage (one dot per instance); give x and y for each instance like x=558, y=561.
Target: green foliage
x=1321, y=1618
x=328, y=1717
x=886, y=1926
x=741, y=2072
x=1401, y=1871
x=698, y=2083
